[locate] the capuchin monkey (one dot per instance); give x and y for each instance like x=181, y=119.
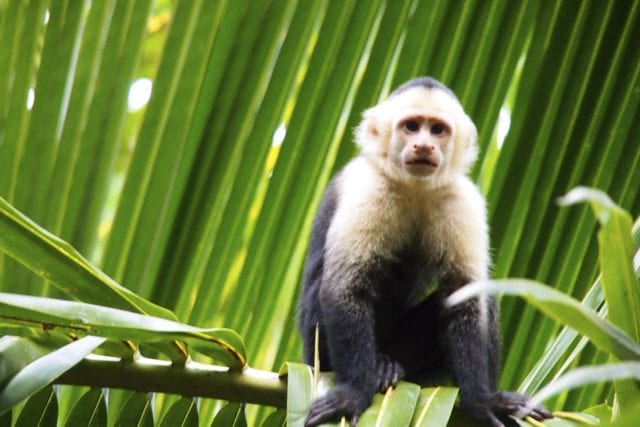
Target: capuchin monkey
x=399, y=216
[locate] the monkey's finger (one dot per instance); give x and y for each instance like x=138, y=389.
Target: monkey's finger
x=398, y=373
x=389, y=375
x=385, y=372
x=540, y=413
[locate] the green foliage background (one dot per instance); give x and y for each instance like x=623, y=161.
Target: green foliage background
x=195, y=202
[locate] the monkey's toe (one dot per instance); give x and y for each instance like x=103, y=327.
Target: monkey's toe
x=540, y=413
x=516, y=404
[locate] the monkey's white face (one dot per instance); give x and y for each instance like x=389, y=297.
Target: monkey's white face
x=421, y=143
x=419, y=133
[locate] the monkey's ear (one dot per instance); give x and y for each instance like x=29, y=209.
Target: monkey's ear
x=467, y=143
x=373, y=132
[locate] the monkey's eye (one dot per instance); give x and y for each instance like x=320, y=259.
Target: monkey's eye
x=411, y=125
x=438, y=129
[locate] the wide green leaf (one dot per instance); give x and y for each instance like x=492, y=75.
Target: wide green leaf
x=434, y=407
x=17, y=352
x=183, y=413
x=300, y=392
x=232, y=415
x=559, y=307
x=221, y=344
x=55, y=260
x=566, y=347
x=394, y=408
x=41, y=410
x=276, y=419
x=619, y=281
x=585, y=375
x=136, y=412
x=89, y=411
x=44, y=370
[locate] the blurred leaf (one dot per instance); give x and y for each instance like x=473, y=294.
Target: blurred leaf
x=567, y=347
x=394, y=408
x=44, y=370
x=561, y=308
x=41, y=410
x=231, y=415
x=434, y=407
x=276, y=419
x=6, y=419
x=300, y=392
x=603, y=412
x=136, y=412
x=576, y=418
x=628, y=420
x=567, y=340
x=567, y=419
x=221, y=344
x=619, y=281
x=90, y=411
x=183, y=413
x=57, y=261
x=586, y=375
x=16, y=353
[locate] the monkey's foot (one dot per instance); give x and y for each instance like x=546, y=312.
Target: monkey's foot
x=342, y=401
x=390, y=372
x=498, y=409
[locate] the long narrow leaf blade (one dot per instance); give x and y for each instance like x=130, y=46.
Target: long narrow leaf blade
x=41, y=410
x=89, y=411
x=221, y=344
x=44, y=370
x=615, y=238
x=55, y=260
x=587, y=375
x=559, y=307
x=136, y=412
x=16, y=353
x=232, y=415
x=394, y=408
x=182, y=413
x=435, y=405
x=300, y=385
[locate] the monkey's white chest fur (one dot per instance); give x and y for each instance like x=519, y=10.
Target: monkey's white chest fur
x=375, y=216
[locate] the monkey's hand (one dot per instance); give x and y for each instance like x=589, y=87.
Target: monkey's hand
x=342, y=401
x=499, y=407
x=389, y=372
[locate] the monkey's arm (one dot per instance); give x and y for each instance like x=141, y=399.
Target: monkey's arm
x=473, y=345
x=472, y=335
x=360, y=368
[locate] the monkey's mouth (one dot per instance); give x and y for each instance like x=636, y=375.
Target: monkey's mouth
x=423, y=162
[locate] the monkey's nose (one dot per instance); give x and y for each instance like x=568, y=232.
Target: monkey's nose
x=423, y=148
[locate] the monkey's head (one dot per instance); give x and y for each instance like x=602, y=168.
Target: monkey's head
x=419, y=132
